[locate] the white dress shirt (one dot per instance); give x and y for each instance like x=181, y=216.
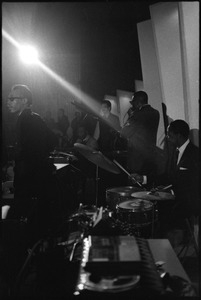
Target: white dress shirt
x=181, y=150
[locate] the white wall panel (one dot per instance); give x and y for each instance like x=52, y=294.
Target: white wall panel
x=165, y=22
x=123, y=99
x=114, y=104
x=189, y=24
x=139, y=86
x=151, y=80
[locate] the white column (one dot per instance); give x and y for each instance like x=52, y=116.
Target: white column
x=151, y=80
x=123, y=99
x=189, y=29
x=165, y=22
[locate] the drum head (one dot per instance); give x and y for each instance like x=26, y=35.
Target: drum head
x=123, y=190
x=136, y=205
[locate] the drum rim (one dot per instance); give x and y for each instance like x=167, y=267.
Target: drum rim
x=151, y=206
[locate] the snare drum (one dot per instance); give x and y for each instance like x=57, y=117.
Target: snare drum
x=116, y=195
x=137, y=212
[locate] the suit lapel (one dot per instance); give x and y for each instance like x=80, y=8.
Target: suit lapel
x=185, y=156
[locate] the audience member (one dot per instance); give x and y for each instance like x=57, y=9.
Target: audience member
x=61, y=129
x=62, y=122
x=83, y=137
x=107, y=128
x=75, y=124
x=50, y=122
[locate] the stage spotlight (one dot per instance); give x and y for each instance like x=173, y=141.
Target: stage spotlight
x=28, y=54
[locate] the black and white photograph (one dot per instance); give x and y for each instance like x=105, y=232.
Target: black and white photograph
x=100, y=150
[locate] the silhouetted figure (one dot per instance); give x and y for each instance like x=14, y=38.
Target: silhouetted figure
x=75, y=123
x=62, y=122
x=33, y=170
x=141, y=132
x=182, y=171
x=50, y=122
x=107, y=128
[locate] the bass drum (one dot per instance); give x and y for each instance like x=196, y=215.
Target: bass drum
x=117, y=195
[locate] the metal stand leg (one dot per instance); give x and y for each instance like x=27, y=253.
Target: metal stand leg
x=153, y=220
x=96, y=186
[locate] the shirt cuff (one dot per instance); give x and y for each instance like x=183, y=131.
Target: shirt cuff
x=144, y=179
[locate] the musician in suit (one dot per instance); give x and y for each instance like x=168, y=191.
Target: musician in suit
x=182, y=171
x=141, y=132
x=33, y=170
x=185, y=175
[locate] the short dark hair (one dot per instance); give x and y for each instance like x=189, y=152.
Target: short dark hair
x=181, y=127
x=141, y=96
x=107, y=102
x=25, y=92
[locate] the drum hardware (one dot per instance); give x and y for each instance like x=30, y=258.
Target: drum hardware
x=160, y=188
x=120, y=194
x=56, y=155
x=125, y=171
x=99, y=160
x=135, y=216
x=154, y=196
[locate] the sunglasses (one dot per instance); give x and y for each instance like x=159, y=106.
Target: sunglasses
x=13, y=98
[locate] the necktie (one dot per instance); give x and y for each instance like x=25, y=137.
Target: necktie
x=176, y=157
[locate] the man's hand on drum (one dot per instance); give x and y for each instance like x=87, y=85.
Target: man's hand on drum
x=136, y=177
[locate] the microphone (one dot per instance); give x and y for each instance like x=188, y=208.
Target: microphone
x=130, y=111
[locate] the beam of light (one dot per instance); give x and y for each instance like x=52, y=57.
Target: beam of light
x=28, y=54
x=83, y=97
x=89, y=102
x=10, y=39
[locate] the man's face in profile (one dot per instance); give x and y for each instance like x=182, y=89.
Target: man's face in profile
x=105, y=110
x=15, y=101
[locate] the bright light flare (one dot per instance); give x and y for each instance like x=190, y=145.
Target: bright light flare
x=28, y=54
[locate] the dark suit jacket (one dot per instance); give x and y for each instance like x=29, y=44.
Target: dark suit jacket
x=141, y=133
x=108, y=130
x=34, y=141
x=185, y=180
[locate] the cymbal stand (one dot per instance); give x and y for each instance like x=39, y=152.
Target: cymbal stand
x=125, y=171
x=96, y=186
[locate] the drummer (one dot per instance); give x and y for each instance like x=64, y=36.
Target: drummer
x=182, y=171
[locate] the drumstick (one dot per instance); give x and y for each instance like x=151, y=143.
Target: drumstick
x=120, y=166
x=66, y=154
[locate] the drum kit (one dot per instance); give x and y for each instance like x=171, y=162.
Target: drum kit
x=133, y=208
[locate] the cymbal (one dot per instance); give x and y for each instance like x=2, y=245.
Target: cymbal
x=97, y=158
x=154, y=196
x=118, y=153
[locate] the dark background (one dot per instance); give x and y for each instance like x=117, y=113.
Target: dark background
x=103, y=33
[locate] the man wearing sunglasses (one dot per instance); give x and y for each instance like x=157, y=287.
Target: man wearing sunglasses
x=32, y=170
